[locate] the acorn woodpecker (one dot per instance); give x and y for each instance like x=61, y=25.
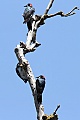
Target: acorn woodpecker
x=21, y=72
x=28, y=12
x=40, y=84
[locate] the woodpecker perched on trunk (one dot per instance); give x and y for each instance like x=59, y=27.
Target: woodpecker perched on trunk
x=28, y=13
x=40, y=84
x=20, y=70
x=29, y=19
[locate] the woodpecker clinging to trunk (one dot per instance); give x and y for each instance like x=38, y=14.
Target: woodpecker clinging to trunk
x=40, y=84
x=20, y=70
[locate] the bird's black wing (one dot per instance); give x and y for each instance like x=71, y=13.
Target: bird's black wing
x=21, y=73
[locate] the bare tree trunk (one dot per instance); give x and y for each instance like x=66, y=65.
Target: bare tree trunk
x=25, y=71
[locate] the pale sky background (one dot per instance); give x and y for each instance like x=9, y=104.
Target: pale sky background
x=58, y=59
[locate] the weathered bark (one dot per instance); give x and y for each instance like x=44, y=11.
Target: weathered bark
x=31, y=79
x=24, y=48
x=49, y=6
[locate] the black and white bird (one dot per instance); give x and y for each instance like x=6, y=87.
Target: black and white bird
x=21, y=72
x=40, y=85
x=28, y=13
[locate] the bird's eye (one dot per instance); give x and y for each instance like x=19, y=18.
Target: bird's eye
x=42, y=77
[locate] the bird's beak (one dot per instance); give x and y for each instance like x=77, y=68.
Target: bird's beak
x=25, y=6
x=37, y=77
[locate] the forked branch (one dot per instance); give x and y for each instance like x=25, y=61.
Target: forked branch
x=61, y=13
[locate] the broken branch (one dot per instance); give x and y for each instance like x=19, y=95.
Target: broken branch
x=56, y=109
